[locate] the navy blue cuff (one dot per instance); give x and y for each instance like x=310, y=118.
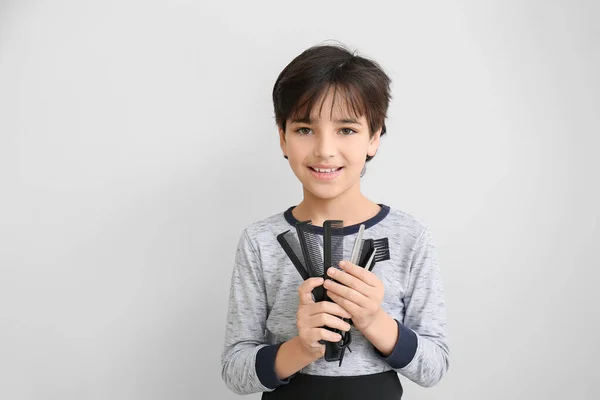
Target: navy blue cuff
x=265, y=366
x=404, y=350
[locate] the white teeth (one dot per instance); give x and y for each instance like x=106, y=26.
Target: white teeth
x=330, y=170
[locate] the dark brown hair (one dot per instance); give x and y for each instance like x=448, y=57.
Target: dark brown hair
x=315, y=71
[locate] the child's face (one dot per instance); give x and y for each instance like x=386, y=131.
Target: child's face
x=333, y=138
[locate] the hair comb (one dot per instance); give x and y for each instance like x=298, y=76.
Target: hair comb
x=312, y=255
x=291, y=246
x=333, y=253
x=382, y=252
x=311, y=251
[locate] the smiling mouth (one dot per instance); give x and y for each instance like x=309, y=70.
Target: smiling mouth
x=325, y=174
x=326, y=170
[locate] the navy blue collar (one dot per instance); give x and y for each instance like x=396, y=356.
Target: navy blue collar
x=348, y=230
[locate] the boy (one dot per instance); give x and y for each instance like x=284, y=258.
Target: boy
x=330, y=108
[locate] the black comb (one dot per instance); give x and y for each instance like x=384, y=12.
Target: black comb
x=311, y=250
x=333, y=253
x=365, y=252
x=382, y=252
x=291, y=246
x=333, y=246
x=383, y=249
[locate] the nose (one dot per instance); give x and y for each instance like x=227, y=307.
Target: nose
x=325, y=146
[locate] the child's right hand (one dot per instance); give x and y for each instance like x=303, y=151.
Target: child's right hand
x=311, y=318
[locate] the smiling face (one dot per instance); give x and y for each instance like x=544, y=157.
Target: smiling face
x=327, y=151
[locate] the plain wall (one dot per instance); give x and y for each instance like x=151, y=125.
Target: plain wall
x=137, y=140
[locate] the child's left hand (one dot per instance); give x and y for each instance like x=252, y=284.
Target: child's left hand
x=360, y=292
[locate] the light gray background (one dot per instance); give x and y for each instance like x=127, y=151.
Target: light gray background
x=137, y=140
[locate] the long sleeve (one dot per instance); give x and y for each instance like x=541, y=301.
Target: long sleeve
x=422, y=353
x=245, y=326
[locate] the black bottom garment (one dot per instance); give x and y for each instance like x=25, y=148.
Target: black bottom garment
x=382, y=386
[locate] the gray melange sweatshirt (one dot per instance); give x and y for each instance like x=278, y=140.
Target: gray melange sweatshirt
x=263, y=302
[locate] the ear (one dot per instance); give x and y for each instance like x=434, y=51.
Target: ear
x=374, y=143
x=282, y=142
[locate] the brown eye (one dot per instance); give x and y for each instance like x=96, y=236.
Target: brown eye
x=347, y=131
x=303, y=131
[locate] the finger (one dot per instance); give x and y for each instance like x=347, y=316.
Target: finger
x=305, y=299
x=366, y=276
x=319, y=320
x=325, y=334
x=329, y=307
x=305, y=290
x=311, y=336
x=352, y=307
x=308, y=285
x=349, y=280
x=346, y=292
